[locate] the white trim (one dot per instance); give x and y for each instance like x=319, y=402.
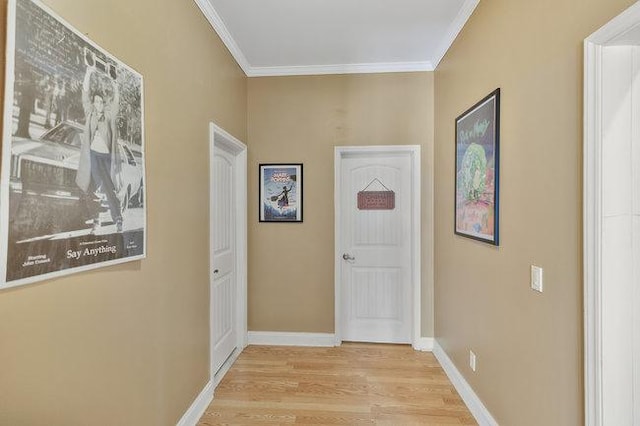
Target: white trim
x=218, y=25
x=592, y=234
x=278, y=338
x=221, y=29
x=475, y=405
x=424, y=344
x=371, y=68
x=198, y=407
x=454, y=29
x=414, y=151
x=626, y=21
x=592, y=207
x=218, y=137
x=416, y=242
x=224, y=369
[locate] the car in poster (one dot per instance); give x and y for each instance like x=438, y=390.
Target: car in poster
x=42, y=181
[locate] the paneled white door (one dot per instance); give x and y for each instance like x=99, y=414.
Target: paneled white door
x=376, y=250
x=224, y=276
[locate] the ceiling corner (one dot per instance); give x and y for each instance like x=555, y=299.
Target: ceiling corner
x=219, y=26
x=221, y=29
x=454, y=29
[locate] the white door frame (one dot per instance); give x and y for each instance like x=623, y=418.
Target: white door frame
x=219, y=138
x=592, y=207
x=414, y=151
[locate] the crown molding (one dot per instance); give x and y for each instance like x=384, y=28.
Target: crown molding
x=340, y=69
x=221, y=29
x=454, y=29
x=367, y=68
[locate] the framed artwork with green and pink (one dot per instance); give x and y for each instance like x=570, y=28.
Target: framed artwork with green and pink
x=477, y=170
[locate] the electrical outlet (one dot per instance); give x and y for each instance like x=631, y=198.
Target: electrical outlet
x=472, y=360
x=536, y=278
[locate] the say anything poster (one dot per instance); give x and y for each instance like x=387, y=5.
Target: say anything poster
x=72, y=194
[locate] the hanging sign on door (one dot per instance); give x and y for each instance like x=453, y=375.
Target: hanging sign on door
x=376, y=200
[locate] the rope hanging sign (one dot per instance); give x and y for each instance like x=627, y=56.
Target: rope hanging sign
x=376, y=200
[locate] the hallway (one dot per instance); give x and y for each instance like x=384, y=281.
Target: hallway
x=351, y=384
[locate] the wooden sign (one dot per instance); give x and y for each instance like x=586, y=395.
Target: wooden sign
x=376, y=200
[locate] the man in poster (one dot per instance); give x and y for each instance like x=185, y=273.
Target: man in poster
x=72, y=152
x=100, y=163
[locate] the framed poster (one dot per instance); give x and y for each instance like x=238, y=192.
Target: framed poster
x=72, y=182
x=280, y=193
x=477, y=170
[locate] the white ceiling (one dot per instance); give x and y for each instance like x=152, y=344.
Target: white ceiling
x=302, y=37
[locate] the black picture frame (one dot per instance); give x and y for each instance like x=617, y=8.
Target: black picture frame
x=477, y=171
x=280, y=196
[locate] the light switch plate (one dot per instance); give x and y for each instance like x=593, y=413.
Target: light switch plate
x=472, y=360
x=536, y=278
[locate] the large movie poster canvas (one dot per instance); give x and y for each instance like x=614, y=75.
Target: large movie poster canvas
x=72, y=194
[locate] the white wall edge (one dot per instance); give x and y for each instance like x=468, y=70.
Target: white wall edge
x=592, y=232
x=340, y=69
x=424, y=344
x=278, y=338
x=592, y=208
x=199, y=406
x=475, y=405
x=454, y=29
x=221, y=29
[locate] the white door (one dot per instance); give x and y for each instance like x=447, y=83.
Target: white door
x=376, y=250
x=224, y=275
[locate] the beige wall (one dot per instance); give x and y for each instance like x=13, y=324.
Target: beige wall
x=301, y=119
x=528, y=345
x=129, y=344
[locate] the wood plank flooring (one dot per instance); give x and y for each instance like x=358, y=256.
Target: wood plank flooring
x=353, y=384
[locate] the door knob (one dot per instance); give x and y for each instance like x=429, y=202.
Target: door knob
x=347, y=256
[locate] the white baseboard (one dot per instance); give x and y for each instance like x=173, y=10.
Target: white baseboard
x=424, y=344
x=226, y=366
x=475, y=405
x=277, y=338
x=197, y=409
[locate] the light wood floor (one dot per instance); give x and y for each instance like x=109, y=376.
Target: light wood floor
x=352, y=384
